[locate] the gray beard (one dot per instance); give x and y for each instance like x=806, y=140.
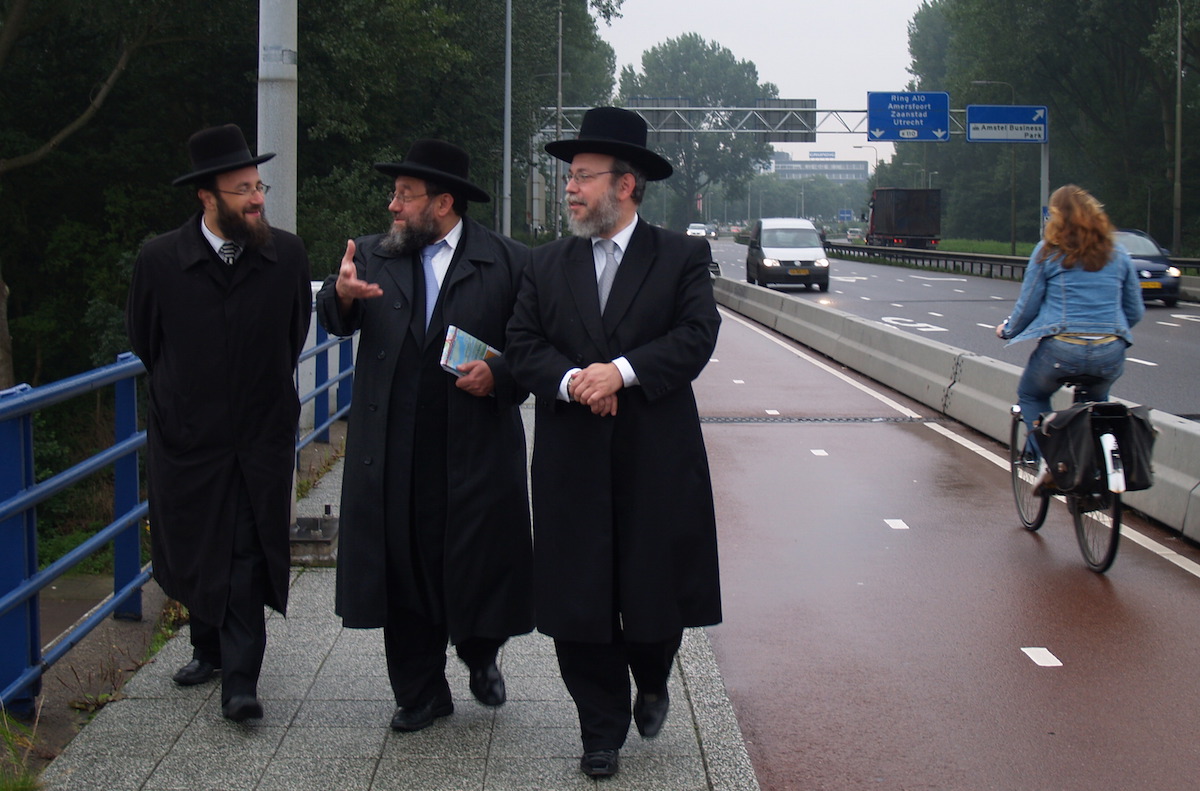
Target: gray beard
x=407, y=240
x=599, y=220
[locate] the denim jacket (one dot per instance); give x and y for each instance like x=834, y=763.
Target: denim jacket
x=1055, y=300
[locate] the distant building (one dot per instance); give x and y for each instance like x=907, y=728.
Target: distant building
x=785, y=167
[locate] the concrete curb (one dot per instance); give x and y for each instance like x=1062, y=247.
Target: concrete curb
x=974, y=390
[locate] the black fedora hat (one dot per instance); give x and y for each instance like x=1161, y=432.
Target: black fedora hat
x=440, y=162
x=618, y=132
x=219, y=149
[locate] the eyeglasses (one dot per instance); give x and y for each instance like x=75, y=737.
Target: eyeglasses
x=245, y=190
x=404, y=198
x=583, y=176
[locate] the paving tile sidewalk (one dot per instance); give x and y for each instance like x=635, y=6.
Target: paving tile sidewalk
x=328, y=705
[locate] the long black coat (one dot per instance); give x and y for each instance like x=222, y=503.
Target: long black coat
x=221, y=356
x=486, y=556
x=622, y=505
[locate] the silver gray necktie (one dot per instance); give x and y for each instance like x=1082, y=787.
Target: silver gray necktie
x=229, y=252
x=609, y=272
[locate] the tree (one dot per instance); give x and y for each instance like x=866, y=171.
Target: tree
x=707, y=75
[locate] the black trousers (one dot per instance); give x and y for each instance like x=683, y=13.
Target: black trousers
x=597, y=676
x=416, y=655
x=237, y=646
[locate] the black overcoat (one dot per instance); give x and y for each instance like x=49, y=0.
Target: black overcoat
x=220, y=350
x=486, y=556
x=622, y=505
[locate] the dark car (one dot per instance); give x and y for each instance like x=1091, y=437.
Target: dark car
x=1158, y=276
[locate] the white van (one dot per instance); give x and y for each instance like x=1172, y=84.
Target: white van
x=786, y=251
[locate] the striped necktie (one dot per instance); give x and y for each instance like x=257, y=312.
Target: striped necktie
x=229, y=253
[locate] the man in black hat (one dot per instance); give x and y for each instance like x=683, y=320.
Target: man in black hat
x=609, y=331
x=434, y=541
x=218, y=311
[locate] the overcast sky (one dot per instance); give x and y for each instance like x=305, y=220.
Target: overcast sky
x=833, y=52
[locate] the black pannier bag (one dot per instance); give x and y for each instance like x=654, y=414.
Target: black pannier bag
x=1071, y=449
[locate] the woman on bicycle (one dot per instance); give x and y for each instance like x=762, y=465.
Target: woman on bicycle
x=1079, y=298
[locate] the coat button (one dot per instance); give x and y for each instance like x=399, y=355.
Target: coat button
x=372, y=407
x=397, y=304
x=367, y=461
x=381, y=355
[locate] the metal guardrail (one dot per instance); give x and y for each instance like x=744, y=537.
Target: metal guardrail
x=997, y=266
x=22, y=661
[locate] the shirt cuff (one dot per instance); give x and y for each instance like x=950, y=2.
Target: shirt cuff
x=562, y=386
x=627, y=373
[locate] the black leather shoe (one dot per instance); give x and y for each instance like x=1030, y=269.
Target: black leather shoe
x=487, y=685
x=195, y=672
x=241, y=708
x=650, y=712
x=414, y=718
x=600, y=763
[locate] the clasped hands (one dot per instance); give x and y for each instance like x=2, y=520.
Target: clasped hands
x=596, y=387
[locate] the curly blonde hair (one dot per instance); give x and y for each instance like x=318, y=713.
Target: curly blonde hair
x=1078, y=229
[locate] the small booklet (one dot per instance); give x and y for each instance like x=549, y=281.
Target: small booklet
x=462, y=347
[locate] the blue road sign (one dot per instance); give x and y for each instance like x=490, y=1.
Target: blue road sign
x=845, y=215
x=912, y=117
x=1006, y=123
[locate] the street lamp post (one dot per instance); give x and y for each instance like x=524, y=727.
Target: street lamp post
x=1012, y=170
x=1177, y=230
x=875, y=151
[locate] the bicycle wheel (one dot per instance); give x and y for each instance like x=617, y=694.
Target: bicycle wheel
x=1097, y=526
x=1023, y=460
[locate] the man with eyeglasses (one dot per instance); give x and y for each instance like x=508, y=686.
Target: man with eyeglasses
x=434, y=542
x=609, y=331
x=218, y=311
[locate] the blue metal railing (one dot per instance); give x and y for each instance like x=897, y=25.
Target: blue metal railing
x=22, y=661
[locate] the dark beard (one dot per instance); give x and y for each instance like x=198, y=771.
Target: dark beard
x=234, y=227
x=417, y=234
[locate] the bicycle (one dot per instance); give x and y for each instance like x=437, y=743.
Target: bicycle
x=1096, y=509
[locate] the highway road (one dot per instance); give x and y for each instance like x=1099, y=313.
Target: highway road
x=888, y=623
x=962, y=311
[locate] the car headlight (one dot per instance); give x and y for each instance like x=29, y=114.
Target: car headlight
x=770, y=262
x=821, y=262
x=1173, y=271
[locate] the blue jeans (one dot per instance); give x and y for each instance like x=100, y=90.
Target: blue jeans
x=1053, y=359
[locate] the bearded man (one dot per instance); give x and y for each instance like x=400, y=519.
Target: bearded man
x=218, y=311
x=434, y=541
x=609, y=331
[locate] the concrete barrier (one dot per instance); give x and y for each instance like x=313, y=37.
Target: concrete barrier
x=973, y=389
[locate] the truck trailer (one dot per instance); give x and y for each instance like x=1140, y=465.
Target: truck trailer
x=905, y=218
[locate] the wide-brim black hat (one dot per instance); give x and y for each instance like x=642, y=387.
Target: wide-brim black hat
x=219, y=150
x=440, y=162
x=618, y=132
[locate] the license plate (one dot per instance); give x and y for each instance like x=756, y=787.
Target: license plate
x=797, y=271
x=1151, y=284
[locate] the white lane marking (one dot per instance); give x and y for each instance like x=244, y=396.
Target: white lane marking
x=960, y=291
x=1127, y=532
x=919, y=326
x=772, y=411
x=897, y=305
x=713, y=360
x=739, y=381
x=1185, y=316
x=1169, y=324
x=989, y=326
x=878, y=396
x=895, y=524
x=1141, y=362
x=939, y=315
x=927, y=277
x=865, y=299
x=819, y=452
x=1042, y=657
x=999, y=298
